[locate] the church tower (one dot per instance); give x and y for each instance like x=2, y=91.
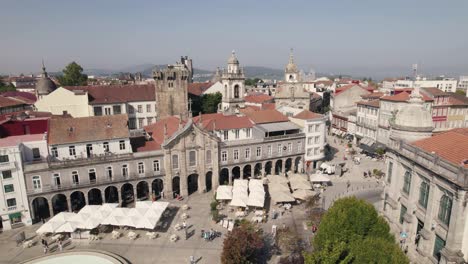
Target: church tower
x=233, y=81
x=172, y=90
x=291, y=73
x=44, y=85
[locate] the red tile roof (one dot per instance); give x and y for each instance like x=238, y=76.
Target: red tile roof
x=306, y=115
x=458, y=99
x=373, y=103
x=108, y=94
x=198, y=88
x=250, y=108
x=346, y=87
x=220, y=121
x=403, y=97
x=258, y=98
x=17, y=94
x=451, y=146
x=374, y=95
x=325, y=83
x=266, y=116
x=433, y=91
x=156, y=130
x=8, y=101
x=268, y=106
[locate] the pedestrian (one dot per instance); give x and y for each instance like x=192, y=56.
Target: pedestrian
x=45, y=249
x=348, y=183
x=43, y=242
x=184, y=224
x=162, y=195
x=284, y=226
x=192, y=259
x=60, y=246
x=406, y=249
x=43, y=220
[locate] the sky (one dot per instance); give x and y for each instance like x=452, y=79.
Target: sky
x=376, y=38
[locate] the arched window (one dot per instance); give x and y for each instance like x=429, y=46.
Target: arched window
x=407, y=182
x=36, y=182
x=236, y=91
x=424, y=194
x=445, y=209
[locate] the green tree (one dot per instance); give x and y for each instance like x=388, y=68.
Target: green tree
x=210, y=102
x=4, y=87
x=243, y=245
x=73, y=75
x=384, y=252
x=460, y=92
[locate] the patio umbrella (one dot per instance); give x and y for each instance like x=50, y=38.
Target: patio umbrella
x=277, y=179
x=303, y=194
x=319, y=178
x=62, y=217
x=298, y=183
x=89, y=209
x=282, y=197
x=111, y=220
x=224, y=192
x=108, y=207
x=68, y=227
x=91, y=223
x=278, y=187
x=143, y=204
x=255, y=184
x=256, y=199
x=49, y=227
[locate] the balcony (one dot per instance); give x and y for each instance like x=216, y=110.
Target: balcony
x=8, y=165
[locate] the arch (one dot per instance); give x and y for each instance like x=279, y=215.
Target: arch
x=247, y=171
x=224, y=177
x=40, y=209
x=209, y=181
x=235, y=173
x=297, y=164
x=142, y=191
x=268, y=167
x=111, y=194
x=77, y=201
x=258, y=170
x=157, y=187
x=192, y=183
x=95, y=196
x=278, y=167
x=176, y=186
x=288, y=165
x=236, y=91
x=59, y=203
x=127, y=194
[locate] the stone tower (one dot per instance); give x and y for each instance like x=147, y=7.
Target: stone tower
x=171, y=90
x=291, y=73
x=44, y=85
x=233, y=81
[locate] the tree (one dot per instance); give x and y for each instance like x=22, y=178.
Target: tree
x=347, y=234
x=73, y=76
x=4, y=87
x=252, y=82
x=210, y=102
x=460, y=92
x=243, y=245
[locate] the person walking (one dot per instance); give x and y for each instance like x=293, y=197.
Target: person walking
x=184, y=224
x=60, y=246
x=192, y=259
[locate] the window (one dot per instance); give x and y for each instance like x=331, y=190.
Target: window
x=309, y=141
x=402, y=213
x=36, y=153
x=106, y=146
x=117, y=109
x=75, y=177
x=247, y=153
x=156, y=165
x=92, y=175
x=6, y=174
x=4, y=158
x=148, y=108
x=259, y=151
x=424, y=193
x=390, y=170
x=56, y=179
x=279, y=149
x=141, y=122
x=236, y=133
x=109, y=173
x=132, y=123
x=125, y=170
x=247, y=132
x=224, y=156
x=140, y=109
x=317, y=139
x=122, y=144
x=289, y=147
x=299, y=146
x=192, y=158
x=208, y=157
x=407, y=182
x=71, y=150
x=54, y=152
x=439, y=244
x=98, y=111
x=131, y=109
x=175, y=161
x=310, y=128
x=11, y=202
x=141, y=168
x=236, y=154
x=316, y=151
x=269, y=151
x=226, y=135
x=149, y=120
x=445, y=209
x=107, y=111
x=10, y=188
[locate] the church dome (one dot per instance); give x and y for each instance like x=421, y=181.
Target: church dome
x=45, y=85
x=414, y=116
x=291, y=67
x=233, y=59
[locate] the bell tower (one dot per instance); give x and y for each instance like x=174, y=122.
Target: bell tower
x=233, y=81
x=291, y=73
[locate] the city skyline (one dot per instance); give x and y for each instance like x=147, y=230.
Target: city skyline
x=361, y=39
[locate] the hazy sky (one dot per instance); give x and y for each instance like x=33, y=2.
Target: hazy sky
x=367, y=38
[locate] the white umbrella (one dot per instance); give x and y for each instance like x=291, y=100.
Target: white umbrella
x=255, y=184
x=256, y=199
x=49, y=227
x=138, y=211
x=224, y=192
x=240, y=183
x=143, y=204
x=143, y=222
x=91, y=223
x=108, y=207
x=111, y=220
x=62, y=217
x=239, y=198
x=89, y=209
x=281, y=197
x=319, y=178
x=68, y=227
x=277, y=179
x=278, y=187
x=302, y=194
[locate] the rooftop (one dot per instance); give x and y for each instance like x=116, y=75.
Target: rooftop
x=375, y=95
x=220, y=121
x=198, y=88
x=307, y=115
x=16, y=140
x=349, y=86
x=258, y=98
x=168, y=126
x=432, y=91
x=403, y=97
x=373, y=103
x=108, y=94
x=9, y=101
x=267, y=116
x=451, y=146
x=87, y=129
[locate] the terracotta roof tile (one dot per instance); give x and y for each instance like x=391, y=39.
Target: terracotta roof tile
x=346, y=87
x=9, y=101
x=373, y=103
x=223, y=122
x=433, y=91
x=268, y=106
x=451, y=146
x=266, y=116
x=87, y=129
x=457, y=99
x=108, y=94
x=198, y=88
x=374, y=95
x=17, y=94
x=403, y=97
x=306, y=115
x=156, y=130
x=258, y=98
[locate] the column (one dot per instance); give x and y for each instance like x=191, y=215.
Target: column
x=135, y=196
x=263, y=169
x=230, y=176
x=86, y=198
x=51, y=208
x=69, y=203
x=283, y=167
x=252, y=167
x=103, y=195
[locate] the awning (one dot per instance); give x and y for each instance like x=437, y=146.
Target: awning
x=280, y=126
x=319, y=178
